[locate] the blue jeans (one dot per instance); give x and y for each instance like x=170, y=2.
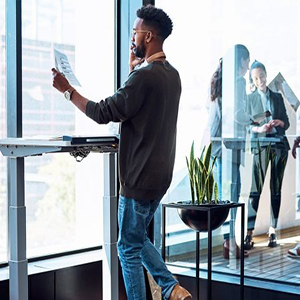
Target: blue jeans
x=135, y=249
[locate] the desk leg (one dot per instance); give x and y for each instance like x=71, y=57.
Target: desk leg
x=110, y=228
x=197, y=264
x=18, y=275
x=163, y=246
x=209, y=256
x=242, y=252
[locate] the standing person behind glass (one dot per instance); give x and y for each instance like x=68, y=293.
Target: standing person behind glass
x=260, y=101
x=242, y=119
x=215, y=122
x=147, y=108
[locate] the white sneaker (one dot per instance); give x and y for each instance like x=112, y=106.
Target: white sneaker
x=295, y=252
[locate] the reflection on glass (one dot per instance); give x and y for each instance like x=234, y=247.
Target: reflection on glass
x=262, y=100
x=63, y=213
x=216, y=27
x=236, y=63
x=215, y=121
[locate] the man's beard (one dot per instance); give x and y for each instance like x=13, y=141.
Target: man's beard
x=140, y=51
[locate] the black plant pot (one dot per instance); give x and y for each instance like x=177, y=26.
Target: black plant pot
x=196, y=216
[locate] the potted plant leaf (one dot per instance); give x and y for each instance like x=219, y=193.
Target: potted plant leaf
x=204, y=193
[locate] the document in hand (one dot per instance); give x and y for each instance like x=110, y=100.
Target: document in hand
x=62, y=65
x=279, y=84
x=261, y=117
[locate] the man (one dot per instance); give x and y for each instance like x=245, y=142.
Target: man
x=147, y=107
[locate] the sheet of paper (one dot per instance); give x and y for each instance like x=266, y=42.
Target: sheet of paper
x=279, y=84
x=44, y=138
x=261, y=117
x=62, y=65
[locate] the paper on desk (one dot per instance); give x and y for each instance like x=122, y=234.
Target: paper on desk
x=279, y=84
x=62, y=65
x=44, y=138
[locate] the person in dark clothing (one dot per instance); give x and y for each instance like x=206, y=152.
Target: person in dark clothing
x=260, y=101
x=147, y=108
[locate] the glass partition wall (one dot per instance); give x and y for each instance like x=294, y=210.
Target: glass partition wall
x=204, y=32
x=63, y=197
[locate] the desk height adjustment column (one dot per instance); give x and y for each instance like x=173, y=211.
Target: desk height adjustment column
x=110, y=228
x=18, y=279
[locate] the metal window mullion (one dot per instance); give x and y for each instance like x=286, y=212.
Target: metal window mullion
x=14, y=68
x=18, y=274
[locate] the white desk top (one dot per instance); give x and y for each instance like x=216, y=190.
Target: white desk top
x=22, y=147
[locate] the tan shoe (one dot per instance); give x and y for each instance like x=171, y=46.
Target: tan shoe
x=180, y=293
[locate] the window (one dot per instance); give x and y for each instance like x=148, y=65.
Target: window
x=63, y=197
x=3, y=176
x=270, y=32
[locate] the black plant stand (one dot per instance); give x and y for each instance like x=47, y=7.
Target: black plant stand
x=209, y=250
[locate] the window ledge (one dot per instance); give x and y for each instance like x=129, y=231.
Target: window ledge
x=57, y=263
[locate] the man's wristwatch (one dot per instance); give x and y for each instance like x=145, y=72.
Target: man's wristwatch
x=68, y=93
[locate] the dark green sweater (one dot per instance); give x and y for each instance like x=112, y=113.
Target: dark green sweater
x=147, y=107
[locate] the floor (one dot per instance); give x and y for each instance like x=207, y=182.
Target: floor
x=263, y=262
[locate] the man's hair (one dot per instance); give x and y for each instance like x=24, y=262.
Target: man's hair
x=241, y=52
x=156, y=19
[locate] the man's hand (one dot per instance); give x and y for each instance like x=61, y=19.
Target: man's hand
x=295, y=146
x=62, y=84
x=59, y=81
x=133, y=60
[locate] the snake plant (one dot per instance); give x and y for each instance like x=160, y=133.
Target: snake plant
x=202, y=184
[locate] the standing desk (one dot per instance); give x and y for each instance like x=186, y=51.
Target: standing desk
x=16, y=149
